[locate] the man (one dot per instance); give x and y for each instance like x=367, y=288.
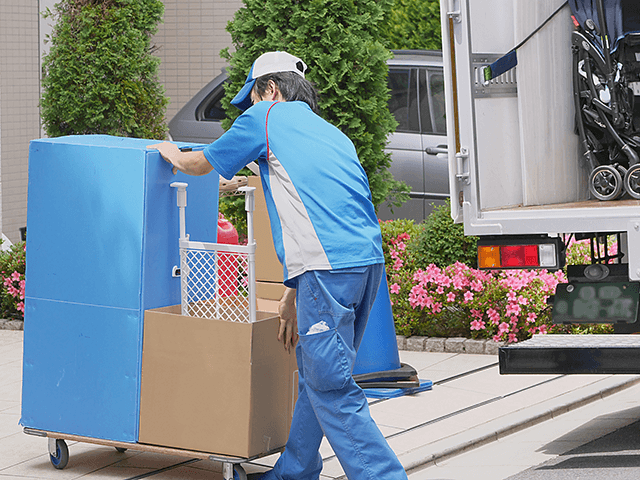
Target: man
x=327, y=237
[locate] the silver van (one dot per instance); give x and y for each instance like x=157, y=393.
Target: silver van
x=418, y=146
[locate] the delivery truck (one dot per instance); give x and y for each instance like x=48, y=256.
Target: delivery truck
x=525, y=179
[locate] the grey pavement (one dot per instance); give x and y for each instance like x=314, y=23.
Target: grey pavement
x=474, y=423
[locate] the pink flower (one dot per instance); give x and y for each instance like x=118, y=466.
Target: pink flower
x=512, y=338
x=395, y=288
x=451, y=297
x=478, y=325
x=513, y=309
x=494, y=316
x=440, y=290
x=459, y=282
x=531, y=317
x=503, y=328
x=468, y=296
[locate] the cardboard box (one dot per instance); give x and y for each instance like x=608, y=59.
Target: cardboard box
x=268, y=267
x=220, y=387
x=270, y=290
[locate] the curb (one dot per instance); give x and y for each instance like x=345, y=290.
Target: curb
x=11, y=324
x=448, y=345
x=414, y=344
x=413, y=465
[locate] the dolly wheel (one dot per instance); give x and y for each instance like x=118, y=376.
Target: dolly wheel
x=605, y=182
x=61, y=457
x=239, y=473
x=632, y=181
x=121, y=450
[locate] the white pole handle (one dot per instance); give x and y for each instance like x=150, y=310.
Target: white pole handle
x=182, y=205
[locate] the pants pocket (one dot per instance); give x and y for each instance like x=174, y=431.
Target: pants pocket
x=326, y=361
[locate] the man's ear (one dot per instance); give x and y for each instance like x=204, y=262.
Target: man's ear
x=273, y=90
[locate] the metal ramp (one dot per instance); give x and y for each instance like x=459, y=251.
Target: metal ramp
x=572, y=354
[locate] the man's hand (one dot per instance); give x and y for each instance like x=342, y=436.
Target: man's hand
x=288, y=333
x=167, y=150
x=191, y=163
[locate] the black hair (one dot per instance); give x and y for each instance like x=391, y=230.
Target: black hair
x=293, y=87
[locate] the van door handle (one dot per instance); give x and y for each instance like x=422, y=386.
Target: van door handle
x=437, y=150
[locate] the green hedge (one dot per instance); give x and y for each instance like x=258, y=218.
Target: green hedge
x=436, y=292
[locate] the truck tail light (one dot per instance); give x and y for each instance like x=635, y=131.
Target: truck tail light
x=508, y=253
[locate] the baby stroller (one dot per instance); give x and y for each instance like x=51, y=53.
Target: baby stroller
x=606, y=62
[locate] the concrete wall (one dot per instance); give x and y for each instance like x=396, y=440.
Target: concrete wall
x=19, y=117
x=190, y=41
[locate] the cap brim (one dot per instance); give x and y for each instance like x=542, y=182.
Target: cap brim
x=243, y=99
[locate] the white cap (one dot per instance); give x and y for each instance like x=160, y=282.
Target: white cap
x=270, y=62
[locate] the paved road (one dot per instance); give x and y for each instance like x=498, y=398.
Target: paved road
x=600, y=440
x=614, y=456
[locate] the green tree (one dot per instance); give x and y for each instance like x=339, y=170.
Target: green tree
x=413, y=24
x=100, y=75
x=341, y=44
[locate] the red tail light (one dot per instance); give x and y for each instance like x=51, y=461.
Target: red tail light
x=505, y=252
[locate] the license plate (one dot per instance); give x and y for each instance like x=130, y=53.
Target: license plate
x=596, y=303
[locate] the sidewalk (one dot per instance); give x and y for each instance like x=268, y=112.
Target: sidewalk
x=470, y=405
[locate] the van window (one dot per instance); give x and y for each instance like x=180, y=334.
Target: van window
x=403, y=103
x=426, y=124
x=211, y=108
x=431, y=90
x=436, y=101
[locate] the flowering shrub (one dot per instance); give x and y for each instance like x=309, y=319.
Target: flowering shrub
x=461, y=301
x=12, y=270
x=457, y=300
x=579, y=252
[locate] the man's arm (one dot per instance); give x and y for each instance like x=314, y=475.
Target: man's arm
x=191, y=163
x=288, y=333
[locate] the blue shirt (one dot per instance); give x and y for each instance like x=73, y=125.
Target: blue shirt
x=316, y=191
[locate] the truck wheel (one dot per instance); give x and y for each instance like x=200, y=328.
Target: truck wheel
x=605, y=183
x=62, y=455
x=632, y=181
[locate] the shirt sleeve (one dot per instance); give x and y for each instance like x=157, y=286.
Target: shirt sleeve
x=243, y=143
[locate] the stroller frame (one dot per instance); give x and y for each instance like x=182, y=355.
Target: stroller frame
x=604, y=104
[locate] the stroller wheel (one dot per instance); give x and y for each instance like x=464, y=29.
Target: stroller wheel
x=605, y=183
x=632, y=181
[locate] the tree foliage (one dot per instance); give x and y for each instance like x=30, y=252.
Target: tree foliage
x=100, y=75
x=413, y=24
x=443, y=242
x=341, y=44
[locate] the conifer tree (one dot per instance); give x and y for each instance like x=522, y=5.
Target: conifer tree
x=413, y=24
x=100, y=76
x=341, y=44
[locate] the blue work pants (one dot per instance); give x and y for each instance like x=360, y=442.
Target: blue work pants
x=332, y=312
